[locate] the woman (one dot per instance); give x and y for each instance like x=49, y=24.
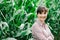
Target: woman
x=40, y=29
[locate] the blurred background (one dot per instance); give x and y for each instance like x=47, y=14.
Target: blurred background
x=17, y=17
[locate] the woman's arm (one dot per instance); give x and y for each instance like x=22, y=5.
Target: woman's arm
x=40, y=36
x=38, y=33
x=52, y=36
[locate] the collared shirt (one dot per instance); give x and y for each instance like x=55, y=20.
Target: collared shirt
x=41, y=31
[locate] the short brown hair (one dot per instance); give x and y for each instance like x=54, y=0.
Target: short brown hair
x=41, y=9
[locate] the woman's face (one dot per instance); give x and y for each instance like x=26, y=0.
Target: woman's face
x=42, y=16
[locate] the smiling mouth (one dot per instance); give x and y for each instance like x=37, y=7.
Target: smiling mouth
x=42, y=17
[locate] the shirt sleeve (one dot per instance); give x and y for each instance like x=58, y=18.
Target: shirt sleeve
x=51, y=36
x=38, y=33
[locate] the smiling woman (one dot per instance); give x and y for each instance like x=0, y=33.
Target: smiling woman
x=42, y=13
x=40, y=29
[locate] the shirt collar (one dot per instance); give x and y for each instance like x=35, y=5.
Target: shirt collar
x=39, y=22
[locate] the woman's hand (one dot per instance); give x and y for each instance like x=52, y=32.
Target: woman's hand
x=50, y=38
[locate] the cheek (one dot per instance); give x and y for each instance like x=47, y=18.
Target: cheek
x=42, y=16
x=39, y=15
x=46, y=15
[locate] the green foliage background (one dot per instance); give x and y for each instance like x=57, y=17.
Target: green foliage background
x=17, y=17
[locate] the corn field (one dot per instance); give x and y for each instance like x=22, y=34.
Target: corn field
x=18, y=16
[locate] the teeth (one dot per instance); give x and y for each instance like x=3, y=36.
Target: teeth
x=42, y=17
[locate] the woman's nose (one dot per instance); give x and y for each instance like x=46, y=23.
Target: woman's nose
x=43, y=15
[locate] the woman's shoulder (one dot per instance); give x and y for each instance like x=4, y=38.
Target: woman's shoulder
x=36, y=27
x=35, y=24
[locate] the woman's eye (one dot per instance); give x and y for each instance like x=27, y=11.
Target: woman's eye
x=40, y=13
x=44, y=12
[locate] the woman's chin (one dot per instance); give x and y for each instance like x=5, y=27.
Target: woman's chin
x=42, y=20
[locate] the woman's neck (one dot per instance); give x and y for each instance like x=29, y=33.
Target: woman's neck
x=43, y=22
